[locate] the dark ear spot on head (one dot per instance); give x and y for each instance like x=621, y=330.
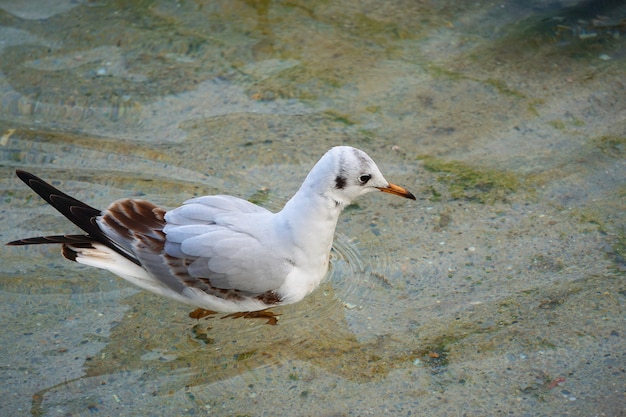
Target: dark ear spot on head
x=340, y=182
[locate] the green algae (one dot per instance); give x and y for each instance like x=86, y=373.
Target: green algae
x=339, y=117
x=587, y=215
x=260, y=197
x=364, y=26
x=614, y=229
x=533, y=106
x=435, y=195
x=435, y=356
x=503, y=88
x=610, y=145
x=557, y=124
x=619, y=249
x=564, y=124
x=468, y=183
x=244, y=355
x=438, y=71
x=297, y=82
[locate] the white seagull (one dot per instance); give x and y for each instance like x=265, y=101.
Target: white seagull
x=219, y=252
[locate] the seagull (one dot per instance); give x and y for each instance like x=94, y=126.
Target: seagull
x=219, y=253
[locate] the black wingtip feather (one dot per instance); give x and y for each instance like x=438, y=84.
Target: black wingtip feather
x=79, y=213
x=74, y=210
x=76, y=240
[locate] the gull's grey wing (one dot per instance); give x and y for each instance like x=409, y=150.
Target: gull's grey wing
x=205, y=210
x=226, y=242
x=235, y=260
x=202, y=244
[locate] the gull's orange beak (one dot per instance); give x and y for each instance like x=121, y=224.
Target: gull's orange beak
x=397, y=190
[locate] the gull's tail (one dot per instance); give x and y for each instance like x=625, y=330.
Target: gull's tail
x=79, y=213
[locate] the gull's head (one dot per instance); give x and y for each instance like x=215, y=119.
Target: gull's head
x=345, y=173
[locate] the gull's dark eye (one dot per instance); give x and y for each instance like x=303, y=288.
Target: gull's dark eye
x=363, y=179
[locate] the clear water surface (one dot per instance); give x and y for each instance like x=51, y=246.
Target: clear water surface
x=499, y=292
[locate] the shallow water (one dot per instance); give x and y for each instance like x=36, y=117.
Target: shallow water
x=499, y=292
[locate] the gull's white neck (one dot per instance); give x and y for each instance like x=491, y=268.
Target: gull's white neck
x=307, y=226
x=311, y=218
x=312, y=213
